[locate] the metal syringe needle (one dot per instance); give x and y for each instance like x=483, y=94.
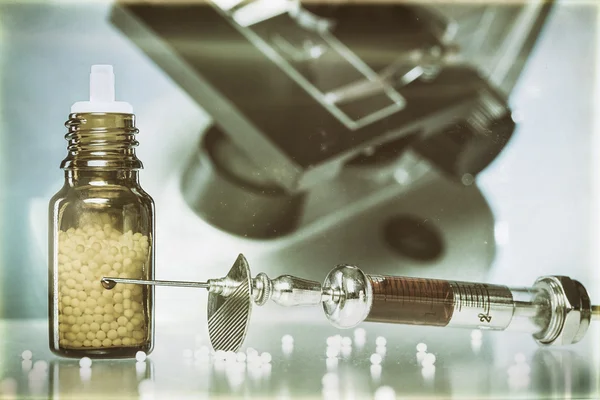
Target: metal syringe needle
x=285, y=290
x=596, y=313
x=109, y=283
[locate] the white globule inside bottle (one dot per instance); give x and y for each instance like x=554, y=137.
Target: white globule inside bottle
x=89, y=315
x=102, y=94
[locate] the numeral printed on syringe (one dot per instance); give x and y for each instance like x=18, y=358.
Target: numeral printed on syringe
x=481, y=305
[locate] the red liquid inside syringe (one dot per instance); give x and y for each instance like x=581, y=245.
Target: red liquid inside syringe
x=415, y=301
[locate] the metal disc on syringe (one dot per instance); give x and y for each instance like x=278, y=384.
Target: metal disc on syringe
x=229, y=310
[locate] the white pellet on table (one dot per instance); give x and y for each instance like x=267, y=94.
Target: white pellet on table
x=428, y=371
x=140, y=356
x=376, y=359
x=332, y=352
x=287, y=339
x=332, y=341
x=250, y=351
x=429, y=359
x=85, y=362
x=230, y=356
x=40, y=365
x=26, y=365
x=265, y=357
x=330, y=379
x=385, y=393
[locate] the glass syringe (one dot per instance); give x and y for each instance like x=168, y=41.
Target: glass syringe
x=556, y=310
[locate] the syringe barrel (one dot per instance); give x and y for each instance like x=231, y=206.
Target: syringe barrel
x=434, y=302
x=457, y=304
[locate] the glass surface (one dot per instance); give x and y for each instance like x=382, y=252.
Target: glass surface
x=67, y=380
x=494, y=365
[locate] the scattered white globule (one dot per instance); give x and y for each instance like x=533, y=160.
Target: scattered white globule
x=140, y=356
x=376, y=359
x=380, y=341
x=287, y=339
x=421, y=347
x=230, y=356
x=89, y=315
x=429, y=359
x=252, y=356
x=40, y=365
x=26, y=355
x=334, y=341
x=251, y=352
x=330, y=379
x=346, y=352
x=26, y=365
x=265, y=358
x=332, y=352
x=241, y=356
x=385, y=393
x=85, y=362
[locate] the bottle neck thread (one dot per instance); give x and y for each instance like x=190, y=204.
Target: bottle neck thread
x=101, y=178
x=101, y=141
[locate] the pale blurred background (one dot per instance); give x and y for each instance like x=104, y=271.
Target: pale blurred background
x=533, y=211
x=541, y=189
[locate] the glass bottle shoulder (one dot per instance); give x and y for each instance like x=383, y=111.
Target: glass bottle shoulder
x=103, y=193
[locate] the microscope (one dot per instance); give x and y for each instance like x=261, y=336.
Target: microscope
x=329, y=110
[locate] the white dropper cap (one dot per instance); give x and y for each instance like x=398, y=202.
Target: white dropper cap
x=102, y=94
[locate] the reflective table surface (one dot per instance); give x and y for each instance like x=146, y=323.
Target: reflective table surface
x=497, y=365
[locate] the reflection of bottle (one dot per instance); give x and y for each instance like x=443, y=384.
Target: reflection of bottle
x=101, y=224
x=105, y=379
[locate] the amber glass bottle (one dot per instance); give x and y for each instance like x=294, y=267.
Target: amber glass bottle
x=101, y=224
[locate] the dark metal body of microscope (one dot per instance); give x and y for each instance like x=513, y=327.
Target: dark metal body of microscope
x=302, y=129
